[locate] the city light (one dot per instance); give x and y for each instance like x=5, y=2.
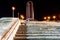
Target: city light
x=54, y=17
x=45, y=18
x=48, y=17
x=22, y=16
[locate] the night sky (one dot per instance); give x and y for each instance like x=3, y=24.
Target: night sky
x=41, y=8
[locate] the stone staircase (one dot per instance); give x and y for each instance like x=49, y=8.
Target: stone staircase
x=35, y=32
x=21, y=33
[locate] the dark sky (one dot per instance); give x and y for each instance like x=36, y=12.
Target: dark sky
x=41, y=7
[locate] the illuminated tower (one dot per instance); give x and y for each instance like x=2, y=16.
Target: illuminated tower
x=29, y=10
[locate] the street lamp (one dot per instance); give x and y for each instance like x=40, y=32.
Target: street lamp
x=48, y=17
x=22, y=16
x=45, y=18
x=13, y=8
x=54, y=17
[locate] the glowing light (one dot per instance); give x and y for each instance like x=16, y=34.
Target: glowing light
x=48, y=17
x=54, y=17
x=22, y=16
x=45, y=18
x=13, y=8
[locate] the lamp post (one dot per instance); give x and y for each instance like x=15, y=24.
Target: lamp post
x=48, y=18
x=54, y=17
x=45, y=18
x=13, y=8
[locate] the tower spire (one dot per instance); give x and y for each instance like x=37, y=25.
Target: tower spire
x=29, y=10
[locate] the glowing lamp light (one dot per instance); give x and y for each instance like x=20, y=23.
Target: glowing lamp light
x=13, y=8
x=54, y=17
x=22, y=16
x=45, y=18
x=48, y=17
